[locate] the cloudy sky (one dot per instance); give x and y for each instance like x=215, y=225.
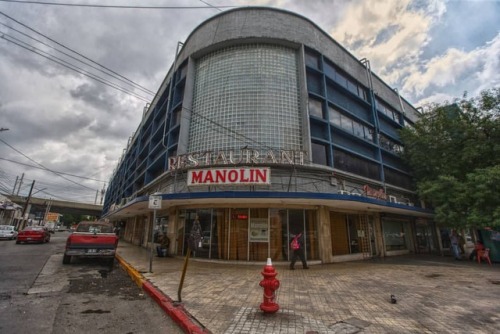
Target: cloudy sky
x=67, y=131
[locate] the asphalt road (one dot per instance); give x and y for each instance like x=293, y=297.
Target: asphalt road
x=40, y=294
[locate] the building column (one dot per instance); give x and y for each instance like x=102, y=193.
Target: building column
x=379, y=236
x=324, y=235
x=172, y=230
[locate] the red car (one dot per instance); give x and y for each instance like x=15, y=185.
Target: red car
x=91, y=240
x=33, y=234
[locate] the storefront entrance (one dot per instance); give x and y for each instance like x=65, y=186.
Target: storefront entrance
x=245, y=234
x=352, y=234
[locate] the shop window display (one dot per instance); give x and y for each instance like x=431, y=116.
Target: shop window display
x=243, y=234
x=396, y=235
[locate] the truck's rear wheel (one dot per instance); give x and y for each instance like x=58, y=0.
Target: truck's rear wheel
x=66, y=259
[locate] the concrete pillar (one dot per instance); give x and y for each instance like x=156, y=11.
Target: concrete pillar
x=324, y=235
x=379, y=237
x=172, y=230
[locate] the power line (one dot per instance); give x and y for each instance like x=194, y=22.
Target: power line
x=113, y=6
x=24, y=155
x=206, y=3
x=33, y=166
x=70, y=66
x=69, y=49
x=129, y=82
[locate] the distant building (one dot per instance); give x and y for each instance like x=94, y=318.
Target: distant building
x=10, y=212
x=264, y=127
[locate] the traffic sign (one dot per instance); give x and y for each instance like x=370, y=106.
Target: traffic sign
x=154, y=202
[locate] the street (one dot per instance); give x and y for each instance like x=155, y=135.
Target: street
x=39, y=293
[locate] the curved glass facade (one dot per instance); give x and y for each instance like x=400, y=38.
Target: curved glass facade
x=246, y=95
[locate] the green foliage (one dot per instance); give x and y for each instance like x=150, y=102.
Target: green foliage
x=454, y=152
x=68, y=219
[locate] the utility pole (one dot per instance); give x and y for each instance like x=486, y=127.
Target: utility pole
x=103, y=191
x=26, y=206
x=15, y=185
x=20, y=183
x=47, y=210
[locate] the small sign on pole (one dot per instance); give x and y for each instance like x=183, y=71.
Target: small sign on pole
x=154, y=202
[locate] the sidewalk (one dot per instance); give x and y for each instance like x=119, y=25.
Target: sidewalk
x=434, y=295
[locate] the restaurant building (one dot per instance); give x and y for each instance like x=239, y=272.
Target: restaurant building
x=265, y=127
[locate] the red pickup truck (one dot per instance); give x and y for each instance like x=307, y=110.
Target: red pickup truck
x=91, y=239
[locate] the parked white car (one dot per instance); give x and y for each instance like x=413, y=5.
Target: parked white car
x=8, y=232
x=50, y=226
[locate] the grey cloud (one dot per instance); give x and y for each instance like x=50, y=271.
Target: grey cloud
x=95, y=96
x=385, y=34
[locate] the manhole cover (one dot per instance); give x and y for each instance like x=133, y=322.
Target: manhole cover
x=344, y=328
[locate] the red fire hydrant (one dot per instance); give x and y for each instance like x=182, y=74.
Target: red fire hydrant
x=270, y=285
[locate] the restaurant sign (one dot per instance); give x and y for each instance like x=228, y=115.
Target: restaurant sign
x=376, y=193
x=229, y=176
x=245, y=156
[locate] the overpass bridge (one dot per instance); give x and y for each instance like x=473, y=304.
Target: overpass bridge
x=62, y=207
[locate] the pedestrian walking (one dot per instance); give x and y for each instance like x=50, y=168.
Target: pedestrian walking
x=297, y=247
x=478, y=247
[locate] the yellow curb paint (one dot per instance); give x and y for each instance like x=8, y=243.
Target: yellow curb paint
x=134, y=274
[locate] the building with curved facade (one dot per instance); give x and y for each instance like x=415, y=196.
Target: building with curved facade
x=265, y=127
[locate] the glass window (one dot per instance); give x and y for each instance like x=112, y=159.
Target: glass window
x=250, y=89
x=369, y=133
x=346, y=123
x=361, y=93
x=176, y=117
x=395, y=235
x=183, y=72
x=356, y=165
x=315, y=108
x=246, y=234
x=390, y=145
x=352, y=87
x=319, y=155
x=341, y=79
x=312, y=60
x=348, y=234
x=358, y=130
x=334, y=116
x=389, y=112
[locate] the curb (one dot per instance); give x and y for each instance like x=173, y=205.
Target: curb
x=176, y=311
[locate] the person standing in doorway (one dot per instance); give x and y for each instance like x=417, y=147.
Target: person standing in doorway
x=455, y=250
x=195, y=235
x=297, y=247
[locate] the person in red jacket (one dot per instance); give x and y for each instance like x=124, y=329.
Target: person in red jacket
x=478, y=247
x=298, y=253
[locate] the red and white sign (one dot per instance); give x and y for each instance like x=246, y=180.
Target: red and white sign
x=229, y=176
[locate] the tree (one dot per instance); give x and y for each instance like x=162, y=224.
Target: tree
x=454, y=154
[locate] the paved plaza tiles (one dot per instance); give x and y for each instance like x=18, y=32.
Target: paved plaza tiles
x=435, y=294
